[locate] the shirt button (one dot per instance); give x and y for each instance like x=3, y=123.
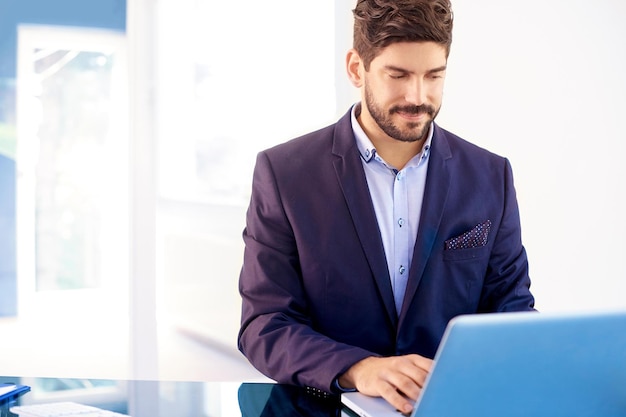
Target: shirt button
x=402, y=270
x=367, y=153
x=401, y=222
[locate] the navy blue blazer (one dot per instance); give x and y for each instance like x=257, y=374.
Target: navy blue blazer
x=316, y=293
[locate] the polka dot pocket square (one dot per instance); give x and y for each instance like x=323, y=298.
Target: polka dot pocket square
x=473, y=238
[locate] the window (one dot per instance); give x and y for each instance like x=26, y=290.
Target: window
x=72, y=171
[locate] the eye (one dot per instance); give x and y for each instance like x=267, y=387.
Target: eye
x=397, y=76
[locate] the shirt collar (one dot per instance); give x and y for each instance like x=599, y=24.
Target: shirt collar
x=365, y=145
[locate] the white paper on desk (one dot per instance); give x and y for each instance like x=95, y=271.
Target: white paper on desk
x=5, y=389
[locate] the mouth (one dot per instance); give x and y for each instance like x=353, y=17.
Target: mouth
x=413, y=113
x=413, y=116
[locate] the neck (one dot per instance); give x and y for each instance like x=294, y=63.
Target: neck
x=400, y=153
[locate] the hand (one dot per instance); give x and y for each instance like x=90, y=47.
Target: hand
x=398, y=379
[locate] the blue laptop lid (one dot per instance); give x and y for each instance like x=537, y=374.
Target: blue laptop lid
x=529, y=364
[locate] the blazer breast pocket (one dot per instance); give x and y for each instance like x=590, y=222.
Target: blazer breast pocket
x=476, y=237
x=466, y=254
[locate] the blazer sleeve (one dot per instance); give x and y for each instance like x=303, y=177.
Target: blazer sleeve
x=277, y=335
x=507, y=282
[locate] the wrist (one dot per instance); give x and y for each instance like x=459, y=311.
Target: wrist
x=345, y=383
x=348, y=380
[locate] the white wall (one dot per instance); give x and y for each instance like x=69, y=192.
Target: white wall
x=543, y=83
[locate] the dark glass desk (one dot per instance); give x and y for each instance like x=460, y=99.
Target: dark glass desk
x=180, y=399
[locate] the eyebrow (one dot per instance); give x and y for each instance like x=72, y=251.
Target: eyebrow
x=398, y=69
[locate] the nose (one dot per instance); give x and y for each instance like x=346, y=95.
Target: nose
x=416, y=91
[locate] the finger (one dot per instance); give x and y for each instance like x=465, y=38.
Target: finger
x=397, y=400
x=412, y=374
x=418, y=376
x=409, y=385
x=422, y=362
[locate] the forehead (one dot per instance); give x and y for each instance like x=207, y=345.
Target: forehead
x=411, y=56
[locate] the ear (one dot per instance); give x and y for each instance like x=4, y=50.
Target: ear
x=355, y=68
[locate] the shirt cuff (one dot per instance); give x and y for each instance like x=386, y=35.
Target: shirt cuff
x=339, y=389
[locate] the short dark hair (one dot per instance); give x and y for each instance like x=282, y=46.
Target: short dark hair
x=379, y=23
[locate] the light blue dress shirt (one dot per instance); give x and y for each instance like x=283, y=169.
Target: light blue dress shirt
x=397, y=196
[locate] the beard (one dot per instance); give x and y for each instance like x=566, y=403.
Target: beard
x=412, y=132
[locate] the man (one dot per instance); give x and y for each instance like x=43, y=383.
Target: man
x=365, y=238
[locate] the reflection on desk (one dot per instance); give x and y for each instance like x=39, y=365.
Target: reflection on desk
x=274, y=400
x=178, y=398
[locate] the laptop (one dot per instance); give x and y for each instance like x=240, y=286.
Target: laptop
x=521, y=364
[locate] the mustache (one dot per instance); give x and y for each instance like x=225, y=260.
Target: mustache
x=414, y=109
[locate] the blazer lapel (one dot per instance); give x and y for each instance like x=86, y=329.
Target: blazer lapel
x=435, y=196
x=351, y=177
